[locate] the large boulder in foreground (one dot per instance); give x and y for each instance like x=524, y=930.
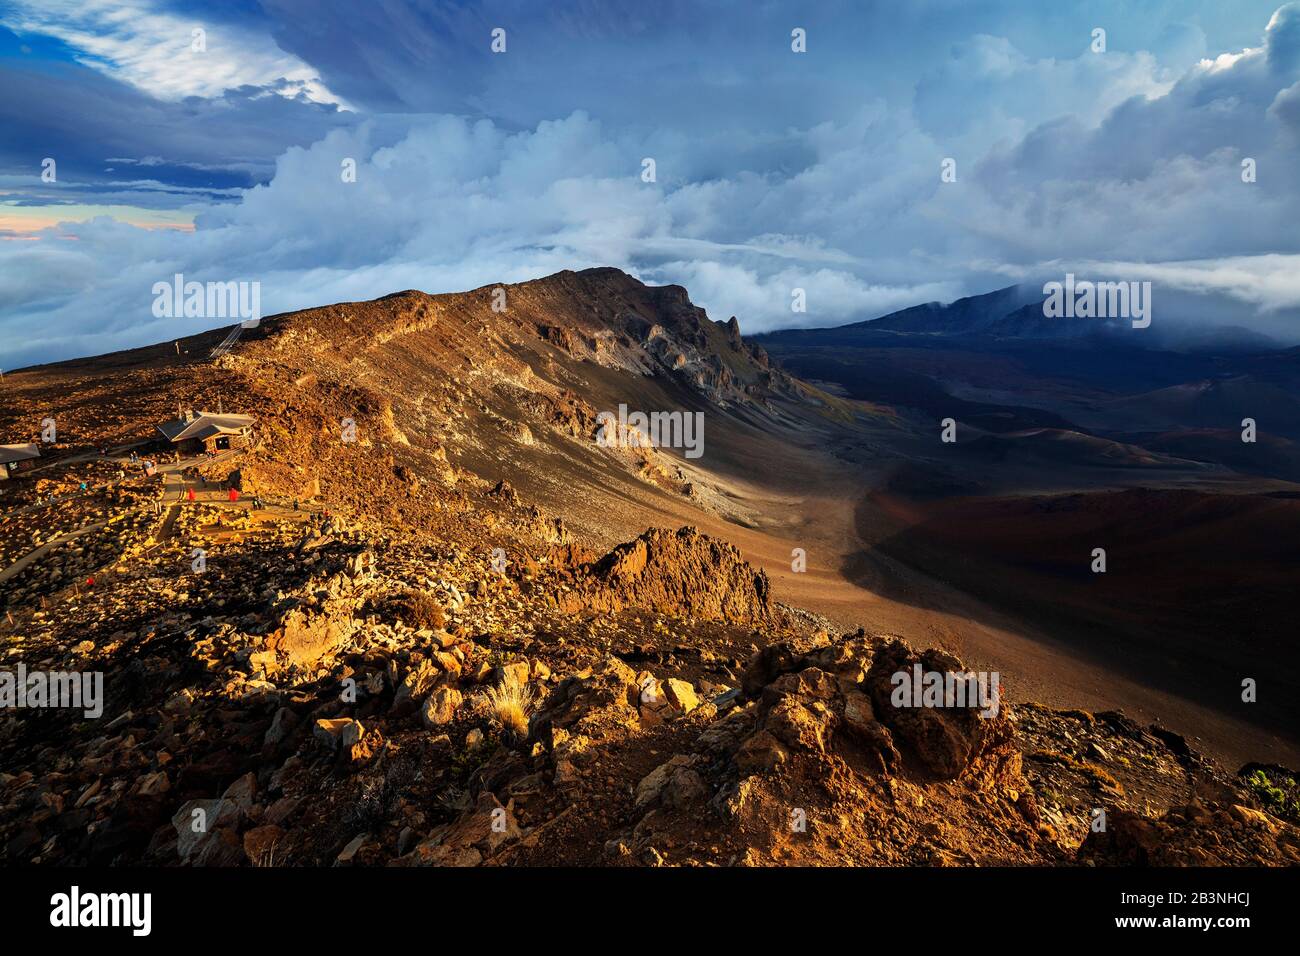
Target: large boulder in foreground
x=807, y=700
x=803, y=767
x=946, y=740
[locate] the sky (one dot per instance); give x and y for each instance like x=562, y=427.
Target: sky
x=213, y=140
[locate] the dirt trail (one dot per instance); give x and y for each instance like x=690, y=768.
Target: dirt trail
x=168, y=524
x=37, y=553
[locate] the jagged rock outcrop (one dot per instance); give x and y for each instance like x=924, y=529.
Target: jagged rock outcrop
x=681, y=572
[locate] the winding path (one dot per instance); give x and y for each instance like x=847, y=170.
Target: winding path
x=168, y=472
x=37, y=553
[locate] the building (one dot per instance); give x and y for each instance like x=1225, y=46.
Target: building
x=199, y=432
x=14, y=458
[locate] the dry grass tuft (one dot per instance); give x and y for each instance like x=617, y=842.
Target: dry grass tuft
x=512, y=704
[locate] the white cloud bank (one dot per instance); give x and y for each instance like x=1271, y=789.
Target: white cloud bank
x=862, y=222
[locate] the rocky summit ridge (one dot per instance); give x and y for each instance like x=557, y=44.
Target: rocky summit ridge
x=397, y=652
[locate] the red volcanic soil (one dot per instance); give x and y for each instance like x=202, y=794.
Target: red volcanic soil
x=1198, y=592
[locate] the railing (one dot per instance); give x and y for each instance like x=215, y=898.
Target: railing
x=228, y=342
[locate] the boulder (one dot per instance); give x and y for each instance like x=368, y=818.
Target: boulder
x=939, y=742
x=338, y=732
x=680, y=694
x=196, y=822
x=415, y=684
x=440, y=707
x=478, y=833
x=760, y=752
x=675, y=784
x=306, y=637
x=681, y=572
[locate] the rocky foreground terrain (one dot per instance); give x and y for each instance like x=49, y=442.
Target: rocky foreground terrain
x=423, y=665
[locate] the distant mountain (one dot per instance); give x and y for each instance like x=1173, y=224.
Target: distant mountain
x=1013, y=312
x=971, y=315
x=1068, y=449
x=1270, y=455
x=1013, y=315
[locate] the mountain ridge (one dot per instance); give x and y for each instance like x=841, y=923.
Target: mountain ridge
x=617, y=697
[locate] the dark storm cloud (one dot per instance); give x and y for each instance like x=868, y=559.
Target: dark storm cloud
x=89, y=122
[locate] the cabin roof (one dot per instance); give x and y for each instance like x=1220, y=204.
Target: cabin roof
x=203, y=425
x=12, y=453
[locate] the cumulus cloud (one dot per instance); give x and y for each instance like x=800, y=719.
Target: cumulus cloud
x=767, y=300
x=451, y=204
x=1159, y=178
x=1016, y=93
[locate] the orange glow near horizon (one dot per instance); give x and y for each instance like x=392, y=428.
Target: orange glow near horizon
x=26, y=221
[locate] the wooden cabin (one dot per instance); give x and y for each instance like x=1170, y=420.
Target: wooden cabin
x=195, y=433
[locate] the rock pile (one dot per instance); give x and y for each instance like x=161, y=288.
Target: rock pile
x=1197, y=834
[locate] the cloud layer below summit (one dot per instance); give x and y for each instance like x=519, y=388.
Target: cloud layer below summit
x=774, y=170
